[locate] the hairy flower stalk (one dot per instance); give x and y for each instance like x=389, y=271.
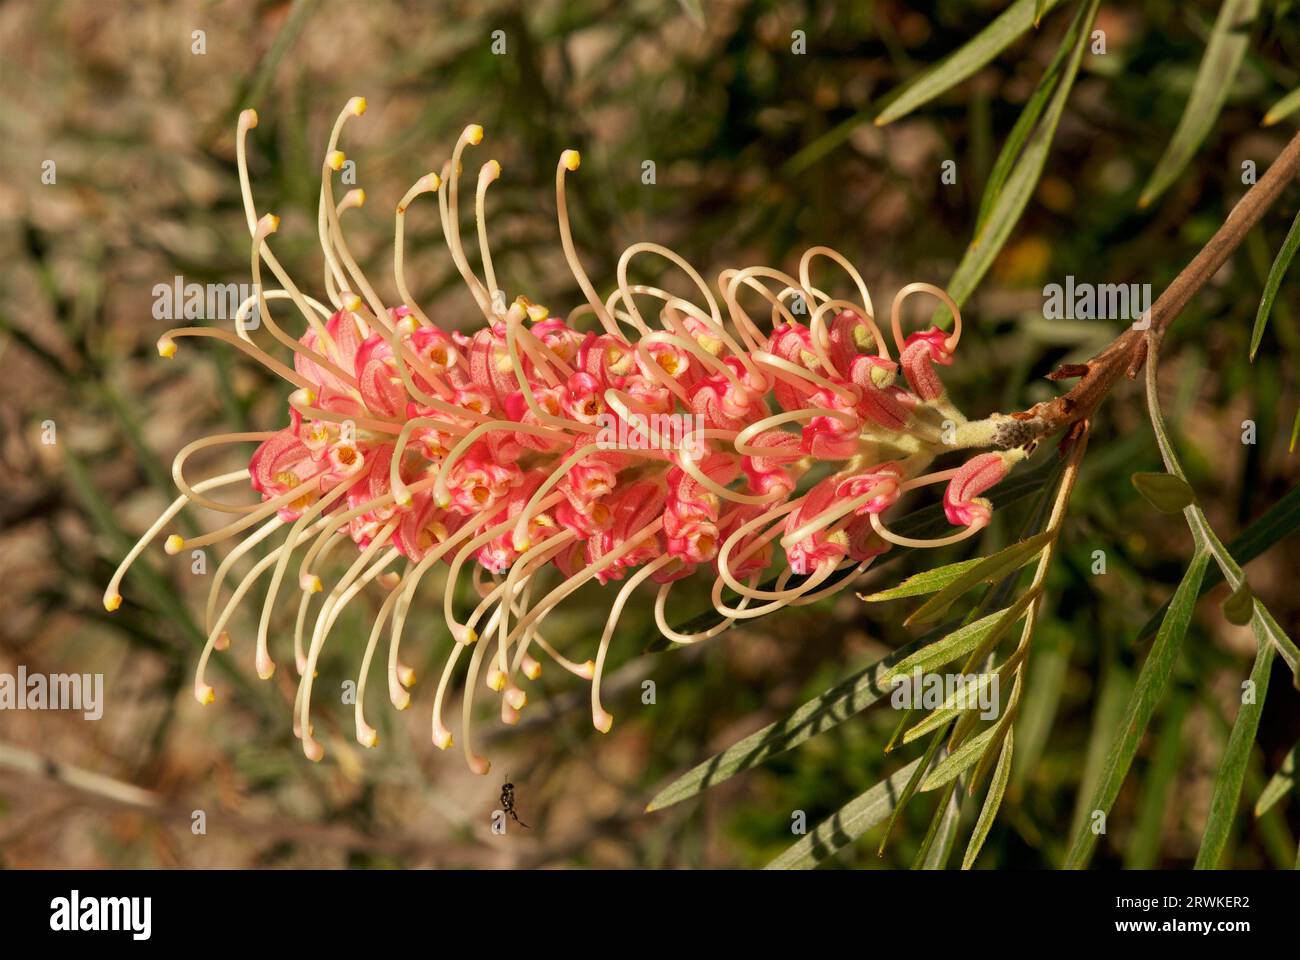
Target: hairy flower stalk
x=643, y=437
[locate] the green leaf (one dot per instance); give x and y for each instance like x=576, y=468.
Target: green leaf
x=977, y=637
x=1281, y=783
x=1265, y=625
x=1147, y=693
x=956, y=762
x=1262, y=622
x=961, y=701
x=1164, y=491
x=933, y=854
x=1025, y=124
x=1232, y=768
x=844, y=826
x=1276, y=523
x=1283, y=108
x=992, y=801
x=1223, y=55
x=1161, y=772
x=1273, y=282
x=947, y=649
x=927, y=581
x=1109, y=706
x=909, y=790
x=1240, y=607
x=824, y=711
x=990, y=568
x=1047, y=674
x=946, y=74
x=1020, y=182
x=937, y=843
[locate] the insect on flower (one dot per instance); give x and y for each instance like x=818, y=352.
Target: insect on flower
x=422, y=446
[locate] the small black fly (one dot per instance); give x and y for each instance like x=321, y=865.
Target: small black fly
x=508, y=803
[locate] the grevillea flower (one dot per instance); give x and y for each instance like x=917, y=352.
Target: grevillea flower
x=420, y=447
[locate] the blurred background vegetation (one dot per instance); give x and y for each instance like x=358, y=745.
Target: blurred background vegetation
x=759, y=152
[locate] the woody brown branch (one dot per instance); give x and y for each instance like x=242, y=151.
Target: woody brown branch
x=1127, y=352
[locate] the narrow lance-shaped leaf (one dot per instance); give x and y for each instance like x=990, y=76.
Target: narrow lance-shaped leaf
x=956, y=762
x=1283, y=108
x=1019, y=186
x=909, y=789
x=1273, y=525
x=1232, y=768
x=992, y=802
x=853, y=695
x=1223, y=55
x=847, y=824
x=1262, y=622
x=945, y=75
x=919, y=584
x=1158, y=780
x=1109, y=708
x=1046, y=681
x=1274, y=280
x=990, y=568
x=978, y=643
x=963, y=699
x=1025, y=124
x=1147, y=693
x=947, y=649
x=828, y=709
x=937, y=843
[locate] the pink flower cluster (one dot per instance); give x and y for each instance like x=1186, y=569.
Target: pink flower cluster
x=433, y=449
